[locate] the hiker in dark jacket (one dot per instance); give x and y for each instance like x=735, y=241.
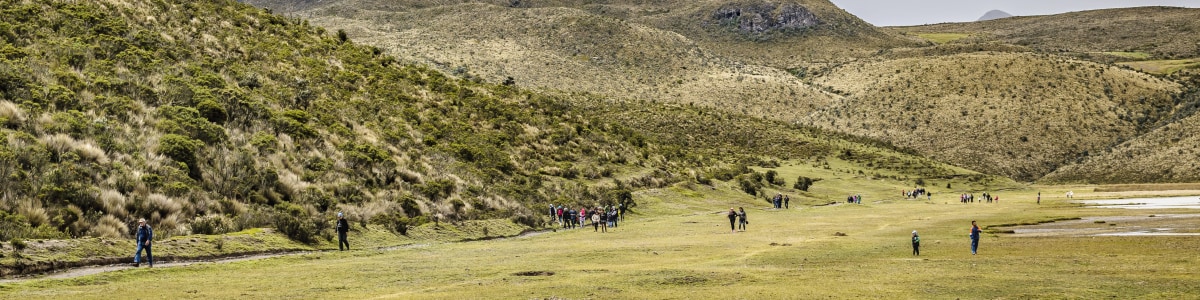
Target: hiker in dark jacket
x=742, y=219
x=145, y=236
x=732, y=220
x=343, y=227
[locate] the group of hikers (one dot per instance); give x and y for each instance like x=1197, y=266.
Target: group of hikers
x=605, y=217
x=917, y=193
x=602, y=218
x=970, y=198
x=854, y=199
x=781, y=201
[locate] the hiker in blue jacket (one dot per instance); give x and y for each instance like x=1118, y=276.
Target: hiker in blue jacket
x=974, y=237
x=144, y=236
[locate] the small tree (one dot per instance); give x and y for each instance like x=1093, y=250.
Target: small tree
x=803, y=183
x=342, y=37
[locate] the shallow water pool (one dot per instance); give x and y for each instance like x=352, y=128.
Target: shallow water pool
x=1191, y=202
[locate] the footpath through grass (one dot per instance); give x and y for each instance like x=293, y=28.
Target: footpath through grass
x=679, y=246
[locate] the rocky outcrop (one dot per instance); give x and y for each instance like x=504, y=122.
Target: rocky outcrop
x=764, y=17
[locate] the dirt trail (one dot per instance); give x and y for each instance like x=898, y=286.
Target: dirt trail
x=92, y=270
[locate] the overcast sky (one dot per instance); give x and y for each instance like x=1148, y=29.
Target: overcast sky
x=918, y=12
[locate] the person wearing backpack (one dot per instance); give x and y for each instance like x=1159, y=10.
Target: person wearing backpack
x=145, y=236
x=916, y=240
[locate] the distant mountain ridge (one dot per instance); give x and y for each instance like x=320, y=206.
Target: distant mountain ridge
x=994, y=14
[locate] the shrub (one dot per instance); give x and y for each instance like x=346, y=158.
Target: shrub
x=178, y=147
x=294, y=123
x=294, y=222
x=342, y=37
x=749, y=185
x=212, y=224
x=803, y=183
x=188, y=121
x=212, y=111
x=770, y=176
x=264, y=141
x=396, y=221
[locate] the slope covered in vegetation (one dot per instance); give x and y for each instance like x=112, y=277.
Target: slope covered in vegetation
x=1016, y=114
x=1002, y=97
x=213, y=116
x=1165, y=154
x=1161, y=32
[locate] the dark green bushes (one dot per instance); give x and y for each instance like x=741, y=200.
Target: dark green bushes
x=297, y=223
x=803, y=183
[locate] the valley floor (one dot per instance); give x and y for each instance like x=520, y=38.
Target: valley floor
x=679, y=246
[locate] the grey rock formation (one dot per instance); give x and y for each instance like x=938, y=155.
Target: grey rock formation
x=764, y=17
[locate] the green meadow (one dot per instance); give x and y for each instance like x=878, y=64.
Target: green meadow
x=942, y=38
x=678, y=244
x=1163, y=66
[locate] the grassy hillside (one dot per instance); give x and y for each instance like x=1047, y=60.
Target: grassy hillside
x=782, y=34
x=572, y=50
x=1161, y=32
x=213, y=117
x=842, y=75
x=1166, y=154
x=1016, y=114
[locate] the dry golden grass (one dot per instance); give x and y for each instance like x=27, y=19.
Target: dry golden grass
x=1164, y=32
x=1163, y=66
x=1019, y=115
x=580, y=52
x=1166, y=154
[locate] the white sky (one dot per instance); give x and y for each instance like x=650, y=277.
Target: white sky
x=918, y=12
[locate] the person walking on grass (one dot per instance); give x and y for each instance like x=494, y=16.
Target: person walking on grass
x=732, y=220
x=785, y=201
x=145, y=236
x=343, y=227
x=742, y=219
x=916, y=240
x=596, y=222
x=974, y=237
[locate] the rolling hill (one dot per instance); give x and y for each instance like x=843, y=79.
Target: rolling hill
x=1160, y=32
x=214, y=116
x=1166, y=154
x=809, y=62
x=1017, y=114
